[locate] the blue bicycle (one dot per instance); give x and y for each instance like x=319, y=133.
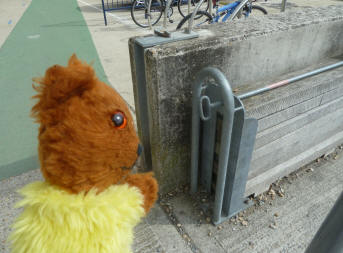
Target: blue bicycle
x=237, y=9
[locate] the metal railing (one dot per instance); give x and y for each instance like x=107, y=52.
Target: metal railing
x=213, y=105
x=291, y=80
x=112, y=5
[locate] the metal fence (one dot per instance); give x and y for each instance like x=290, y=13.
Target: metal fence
x=112, y=5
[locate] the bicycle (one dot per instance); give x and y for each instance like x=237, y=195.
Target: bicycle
x=139, y=10
x=182, y=6
x=236, y=9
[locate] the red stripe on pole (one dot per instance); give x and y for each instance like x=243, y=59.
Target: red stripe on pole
x=278, y=84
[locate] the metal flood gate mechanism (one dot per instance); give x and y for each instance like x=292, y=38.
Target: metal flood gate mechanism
x=213, y=98
x=223, y=139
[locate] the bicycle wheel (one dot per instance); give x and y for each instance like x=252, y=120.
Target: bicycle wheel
x=255, y=9
x=182, y=6
x=139, y=12
x=204, y=18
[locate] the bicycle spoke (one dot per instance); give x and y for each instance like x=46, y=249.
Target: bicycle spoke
x=183, y=6
x=139, y=12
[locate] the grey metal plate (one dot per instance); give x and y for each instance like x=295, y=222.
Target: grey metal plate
x=154, y=40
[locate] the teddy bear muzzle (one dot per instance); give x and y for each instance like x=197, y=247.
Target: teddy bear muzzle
x=133, y=167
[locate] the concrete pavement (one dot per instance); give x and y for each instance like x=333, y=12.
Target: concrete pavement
x=10, y=14
x=277, y=223
x=38, y=41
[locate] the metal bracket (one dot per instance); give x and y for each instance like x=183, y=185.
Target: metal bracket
x=162, y=33
x=215, y=105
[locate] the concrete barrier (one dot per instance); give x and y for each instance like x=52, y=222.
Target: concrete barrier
x=293, y=120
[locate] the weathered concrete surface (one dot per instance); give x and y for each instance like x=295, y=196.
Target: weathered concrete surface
x=285, y=224
x=251, y=53
x=178, y=225
x=293, y=125
x=264, y=47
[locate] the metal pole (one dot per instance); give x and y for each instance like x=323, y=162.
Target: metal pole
x=166, y=14
x=189, y=6
x=283, y=5
x=210, y=7
x=238, y=9
x=288, y=81
x=149, y=14
x=190, y=23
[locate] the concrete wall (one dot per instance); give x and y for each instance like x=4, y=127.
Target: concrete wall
x=293, y=127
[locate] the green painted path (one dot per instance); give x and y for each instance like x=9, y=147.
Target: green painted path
x=48, y=33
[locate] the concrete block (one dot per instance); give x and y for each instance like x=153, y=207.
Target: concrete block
x=273, y=133
x=251, y=53
x=296, y=142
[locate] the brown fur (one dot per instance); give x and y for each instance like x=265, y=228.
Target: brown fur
x=79, y=146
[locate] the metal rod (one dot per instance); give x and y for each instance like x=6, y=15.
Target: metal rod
x=224, y=153
x=238, y=9
x=195, y=132
x=149, y=13
x=283, y=5
x=291, y=80
x=210, y=7
x=190, y=23
x=189, y=6
x=166, y=14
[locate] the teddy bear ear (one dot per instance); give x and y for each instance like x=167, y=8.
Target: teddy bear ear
x=74, y=61
x=61, y=83
x=64, y=82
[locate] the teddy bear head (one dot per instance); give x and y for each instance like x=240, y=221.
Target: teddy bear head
x=87, y=136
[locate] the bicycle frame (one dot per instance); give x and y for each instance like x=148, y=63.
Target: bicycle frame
x=228, y=12
x=229, y=8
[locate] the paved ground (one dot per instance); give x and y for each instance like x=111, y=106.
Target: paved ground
x=37, y=41
x=176, y=224
x=277, y=223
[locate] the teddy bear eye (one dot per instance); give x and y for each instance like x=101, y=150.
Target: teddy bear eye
x=119, y=120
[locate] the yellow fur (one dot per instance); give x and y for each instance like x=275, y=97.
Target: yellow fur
x=55, y=221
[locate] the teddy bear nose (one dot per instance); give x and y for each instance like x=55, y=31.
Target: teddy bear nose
x=139, y=149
